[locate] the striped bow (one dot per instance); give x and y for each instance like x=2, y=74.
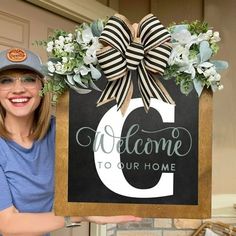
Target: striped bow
x=144, y=47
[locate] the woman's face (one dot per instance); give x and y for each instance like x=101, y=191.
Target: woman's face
x=19, y=92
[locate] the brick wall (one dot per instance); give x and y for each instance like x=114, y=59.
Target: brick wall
x=161, y=227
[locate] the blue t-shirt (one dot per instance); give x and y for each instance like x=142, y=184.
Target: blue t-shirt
x=27, y=174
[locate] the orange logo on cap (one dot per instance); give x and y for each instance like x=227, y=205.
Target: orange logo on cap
x=16, y=55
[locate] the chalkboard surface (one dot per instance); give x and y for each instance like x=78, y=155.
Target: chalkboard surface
x=158, y=157
x=141, y=169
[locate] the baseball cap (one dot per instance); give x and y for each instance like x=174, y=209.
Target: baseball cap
x=18, y=58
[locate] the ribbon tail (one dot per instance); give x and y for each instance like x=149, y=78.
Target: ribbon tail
x=107, y=94
x=151, y=88
x=128, y=97
x=164, y=93
x=145, y=97
x=144, y=87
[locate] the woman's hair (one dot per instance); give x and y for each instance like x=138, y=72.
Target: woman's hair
x=42, y=117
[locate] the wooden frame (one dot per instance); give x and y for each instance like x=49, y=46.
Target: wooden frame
x=202, y=210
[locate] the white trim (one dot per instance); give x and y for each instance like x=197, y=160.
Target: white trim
x=223, y=205
x=78, y=11
x=98, y=230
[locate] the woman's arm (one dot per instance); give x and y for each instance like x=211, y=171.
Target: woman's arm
x=14, y=223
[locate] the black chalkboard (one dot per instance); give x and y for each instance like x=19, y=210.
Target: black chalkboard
x=141, y=164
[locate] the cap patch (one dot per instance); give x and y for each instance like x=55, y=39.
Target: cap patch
x=16, y=55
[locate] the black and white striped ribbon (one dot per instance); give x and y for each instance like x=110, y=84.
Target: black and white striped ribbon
x=148, y=52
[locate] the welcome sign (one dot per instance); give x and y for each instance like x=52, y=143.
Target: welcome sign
x=155, y=164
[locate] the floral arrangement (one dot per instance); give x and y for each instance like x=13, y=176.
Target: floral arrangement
x=190, y=63
x=73, y=63
x=72, y=59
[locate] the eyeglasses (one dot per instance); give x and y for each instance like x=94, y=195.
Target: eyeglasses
x=28, y=81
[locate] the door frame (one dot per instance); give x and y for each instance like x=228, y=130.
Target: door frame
x=78, y=11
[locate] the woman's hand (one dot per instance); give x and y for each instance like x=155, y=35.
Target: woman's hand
x=111, y=219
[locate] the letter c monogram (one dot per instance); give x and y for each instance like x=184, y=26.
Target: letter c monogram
x=113, y=178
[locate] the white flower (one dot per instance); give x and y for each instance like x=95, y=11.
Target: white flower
x=88, y=59
x=64, y=59
x=204, y=36
x=50, y=63
x=87, y=35
x=206, y=68
x=51, y=67
x=179, y=55
x=59, y=43
x=59, y=68
x=83, y=70
x=211, y=78
x=68, y=47
x=206, y=73
x=210, y=72
x=220, y=87
x=61, y=39
x=50, y=46
x=215, y=38
x=90, y=56
x=209, y=33
x=69, y=38
x=185, y=38
x=49, y=49
x=217, y=77
x=79, y=37
x=84, y=37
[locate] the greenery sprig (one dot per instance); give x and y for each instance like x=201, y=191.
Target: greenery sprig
x=72, y=61
x=190, y=63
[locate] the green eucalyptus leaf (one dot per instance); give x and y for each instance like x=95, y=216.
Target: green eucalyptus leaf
x=81, y=90
x=186, y=87
x=94, y=86
x=198, y=86
x=77, y=79
x=205, y=51
x=220, y=65
x=70, y=79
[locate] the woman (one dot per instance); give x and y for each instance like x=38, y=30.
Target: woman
x=26, y=158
